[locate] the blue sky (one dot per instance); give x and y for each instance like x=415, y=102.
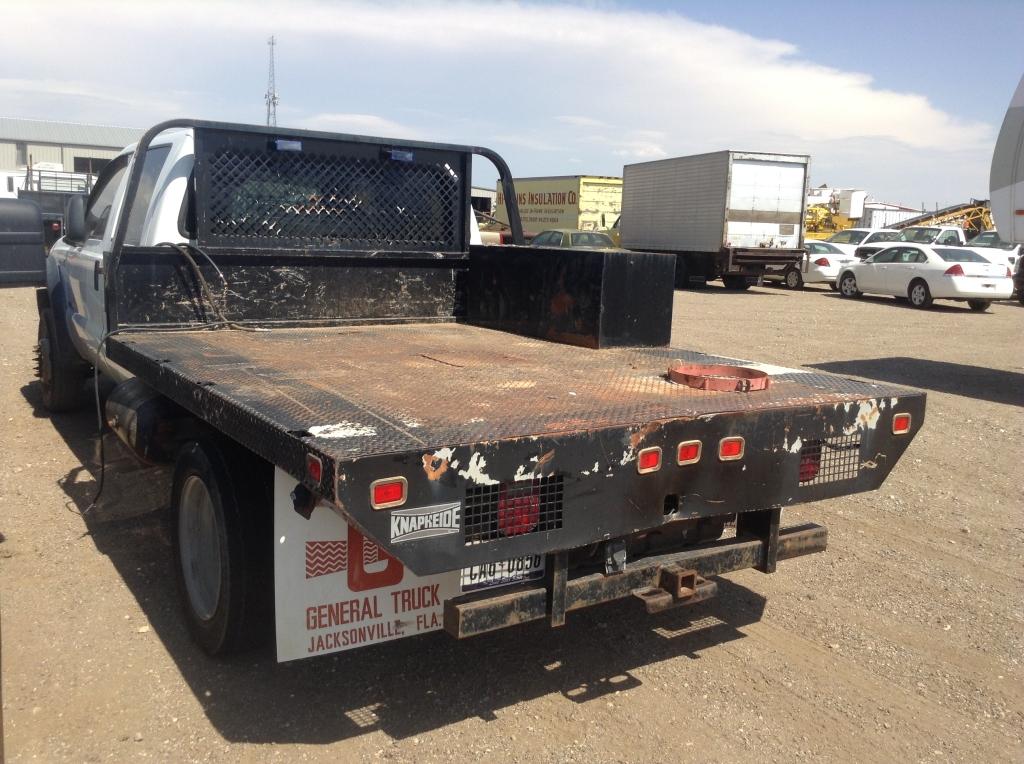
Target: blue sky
x=902, y=99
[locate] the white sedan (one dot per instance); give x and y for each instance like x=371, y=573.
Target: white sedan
x=921, y=273
x=821, y=266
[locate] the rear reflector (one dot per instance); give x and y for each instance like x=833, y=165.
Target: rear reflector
x=389, y=492
x=314, y=468
x=688, y=452
x=648, y=460
x=954, y=270
x=730, y=449
x=901, y=424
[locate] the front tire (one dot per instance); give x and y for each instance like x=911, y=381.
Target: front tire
x=979, y=306
x=919, y=294
x=848, y=285
x=61, y=372
x=793, y=279
x=221, y=525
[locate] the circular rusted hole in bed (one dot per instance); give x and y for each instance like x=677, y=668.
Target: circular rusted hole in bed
x=717, y=377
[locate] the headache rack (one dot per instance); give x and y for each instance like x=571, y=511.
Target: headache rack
x=317, y=197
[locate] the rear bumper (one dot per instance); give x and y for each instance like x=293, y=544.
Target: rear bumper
x=470, y=615
x=971, y=288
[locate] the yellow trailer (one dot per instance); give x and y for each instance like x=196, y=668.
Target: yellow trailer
x=586, y=202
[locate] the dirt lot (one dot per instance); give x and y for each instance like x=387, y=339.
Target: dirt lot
x=903, y=642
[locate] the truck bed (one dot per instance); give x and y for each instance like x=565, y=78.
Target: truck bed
x=464, y=412
x=392, y=389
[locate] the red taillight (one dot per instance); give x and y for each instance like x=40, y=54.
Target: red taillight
x=1009, y=273
x=901, y=424
x=314, y=468
x=730, y=449
x=648, y=460
x=389, y=492
x=954, y=270
x=810, y=463
x=689, y=452
x=518, y=514
x=822, y=261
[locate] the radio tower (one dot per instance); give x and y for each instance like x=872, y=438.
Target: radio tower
x=271, y=96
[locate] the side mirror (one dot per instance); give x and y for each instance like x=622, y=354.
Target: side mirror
x=74, y=219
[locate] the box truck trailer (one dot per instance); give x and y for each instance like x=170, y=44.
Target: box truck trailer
x=727, y=214
x=584, y=202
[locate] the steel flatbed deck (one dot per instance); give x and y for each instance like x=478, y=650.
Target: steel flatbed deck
x=480, y=407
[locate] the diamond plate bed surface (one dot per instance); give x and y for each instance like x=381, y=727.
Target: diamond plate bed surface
x=366, y=390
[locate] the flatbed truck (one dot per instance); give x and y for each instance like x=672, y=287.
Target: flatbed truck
x=379, y=428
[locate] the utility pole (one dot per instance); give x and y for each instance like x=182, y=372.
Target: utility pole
x=271, y=96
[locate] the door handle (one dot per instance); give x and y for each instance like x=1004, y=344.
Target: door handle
x=97, y=269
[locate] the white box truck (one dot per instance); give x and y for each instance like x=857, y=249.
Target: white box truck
x=726, y=214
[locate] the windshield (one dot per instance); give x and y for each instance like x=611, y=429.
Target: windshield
x=848, y=237
x=591, y=240
x=960, y=256
x=883, y=236
x=919, y=235
x=990, y=239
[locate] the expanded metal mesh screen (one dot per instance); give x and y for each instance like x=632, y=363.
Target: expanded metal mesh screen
x=828, y=461
x=329, y=195
x=513, y=509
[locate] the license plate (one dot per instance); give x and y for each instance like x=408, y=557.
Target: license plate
x=502, y=573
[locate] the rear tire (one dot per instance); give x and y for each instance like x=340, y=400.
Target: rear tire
x=919, y=294
x=221, y=507
x=61, y=371
x=793, y=279
x=848, y=285
x=738, y=283
x=979, y=306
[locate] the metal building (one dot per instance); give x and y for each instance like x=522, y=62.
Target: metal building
x=75, y=147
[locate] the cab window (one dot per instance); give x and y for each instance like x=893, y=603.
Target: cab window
x=155, y=159
x=101, y=201
x=886, y=256
x=950, y=237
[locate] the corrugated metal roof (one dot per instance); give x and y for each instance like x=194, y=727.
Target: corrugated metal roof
x=67, y=133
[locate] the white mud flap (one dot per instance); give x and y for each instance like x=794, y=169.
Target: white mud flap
x=334, y=589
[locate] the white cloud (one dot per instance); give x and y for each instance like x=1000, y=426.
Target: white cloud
x=359, y=124
x=570, y=119
x=542, y=81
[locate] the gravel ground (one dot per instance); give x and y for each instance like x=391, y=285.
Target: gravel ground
x=903, y=642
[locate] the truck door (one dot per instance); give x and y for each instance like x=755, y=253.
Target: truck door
x=82, y=260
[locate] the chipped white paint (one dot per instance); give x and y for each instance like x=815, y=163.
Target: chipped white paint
x=446, y=454
x=523, y=474
x=795, y=448
x=342, y=430
x=629, y=455
x=475, y=471
x=893, y=402
x=867, y=417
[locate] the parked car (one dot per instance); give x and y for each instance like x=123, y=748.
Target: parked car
x=822, y=265
x=995, y=249
x=937, y=235
x=922, y=273
x=568, y=237
x=851, y=238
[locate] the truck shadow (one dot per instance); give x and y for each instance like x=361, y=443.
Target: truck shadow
x=402, y=688
x=995, y=385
